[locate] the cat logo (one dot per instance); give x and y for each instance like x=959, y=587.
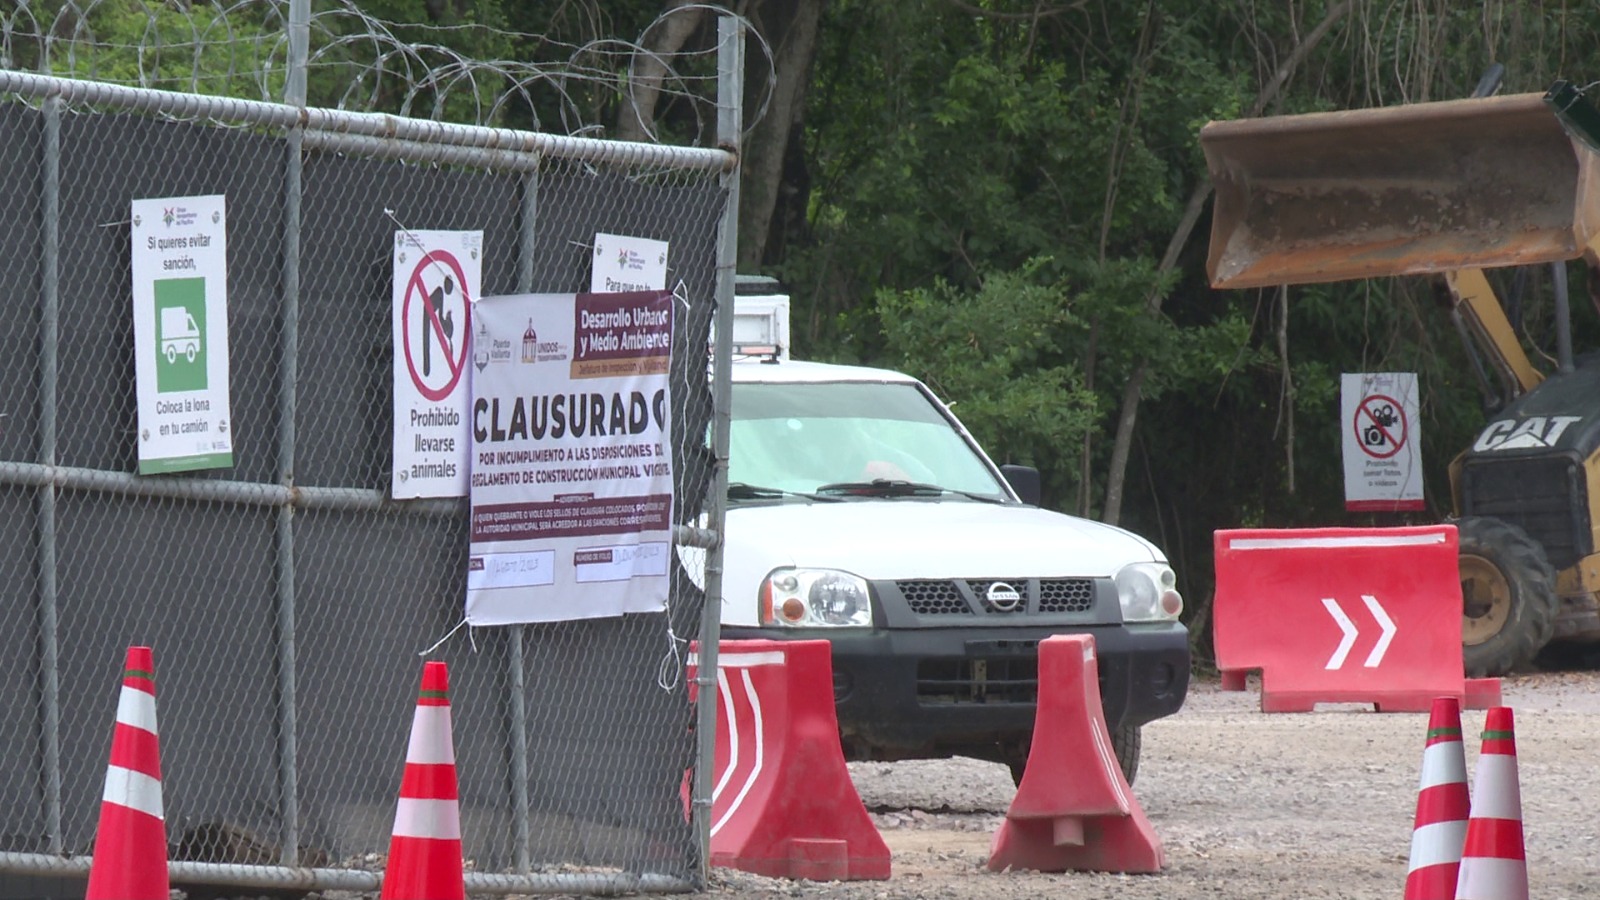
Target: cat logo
x=1532, y=433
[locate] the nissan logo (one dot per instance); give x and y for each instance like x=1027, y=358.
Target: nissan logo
x=1003, y=597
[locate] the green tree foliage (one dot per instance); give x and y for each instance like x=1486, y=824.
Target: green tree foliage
x=553, y=67
x=982, y=193
x=201, y=48
x=989, y=184
x=996, y=353
x=981, y=148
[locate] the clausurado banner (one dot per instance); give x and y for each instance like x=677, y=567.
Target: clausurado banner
x=571, y=482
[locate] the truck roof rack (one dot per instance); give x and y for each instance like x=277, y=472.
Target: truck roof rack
x=756, y=285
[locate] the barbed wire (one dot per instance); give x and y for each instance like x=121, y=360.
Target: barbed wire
x=356, y=61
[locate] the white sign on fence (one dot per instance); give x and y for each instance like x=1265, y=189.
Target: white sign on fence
x=436, y=278
x=628, y=264
x=1382, y=442
x=571, y=457
x=180, y=333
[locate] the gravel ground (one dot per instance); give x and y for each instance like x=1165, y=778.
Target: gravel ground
x=1247, y=805
x=1314, y=806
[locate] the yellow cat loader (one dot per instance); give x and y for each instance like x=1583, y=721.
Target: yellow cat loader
x=1449, y=189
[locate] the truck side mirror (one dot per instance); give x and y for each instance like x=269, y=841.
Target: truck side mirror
x=1025, y=481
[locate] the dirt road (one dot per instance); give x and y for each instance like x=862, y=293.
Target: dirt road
x=1249, y=805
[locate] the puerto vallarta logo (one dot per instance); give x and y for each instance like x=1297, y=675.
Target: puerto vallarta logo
x=530, y=344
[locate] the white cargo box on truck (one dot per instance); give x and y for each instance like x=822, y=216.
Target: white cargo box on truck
x=760, y=317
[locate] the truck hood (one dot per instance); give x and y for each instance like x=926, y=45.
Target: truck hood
x=896, y=539
x=907, y=538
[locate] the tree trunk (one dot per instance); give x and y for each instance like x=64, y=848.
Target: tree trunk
x=1286, y=396
x=1191, y=214
x=636, y=121
x=790, y=28
x=778, y=71
x=1135, y=383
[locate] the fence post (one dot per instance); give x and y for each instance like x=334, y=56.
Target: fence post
x=49, y=329
x=730, y=132
x=294, y=86
x=521, y=830
x=289, y=368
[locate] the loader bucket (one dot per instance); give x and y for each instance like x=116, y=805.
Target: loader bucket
x=1426, y=187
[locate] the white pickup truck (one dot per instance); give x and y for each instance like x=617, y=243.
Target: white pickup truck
x=861, y=511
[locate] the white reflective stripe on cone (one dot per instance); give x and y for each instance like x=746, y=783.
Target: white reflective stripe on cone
x=430, y=737
x=437, y=819
x=1497, y=770
x=1443, y=764
x=135, y=790
x=137, y=708
x=1436, y=844
x=1493, y=879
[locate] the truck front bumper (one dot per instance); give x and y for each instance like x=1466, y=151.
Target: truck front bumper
x=916, y=692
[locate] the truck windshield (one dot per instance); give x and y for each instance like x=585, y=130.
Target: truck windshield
x=798, y=437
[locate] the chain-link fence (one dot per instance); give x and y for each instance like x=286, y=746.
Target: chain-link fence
x=288, y=597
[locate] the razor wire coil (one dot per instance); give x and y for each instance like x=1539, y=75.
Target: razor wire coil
x=358, y=62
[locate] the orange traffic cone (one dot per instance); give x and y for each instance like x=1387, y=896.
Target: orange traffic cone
x=1494, y=865
x=425, y=847
x=1443, y=805
x=130, y=847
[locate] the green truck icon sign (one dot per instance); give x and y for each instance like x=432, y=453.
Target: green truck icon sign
x=179, y=334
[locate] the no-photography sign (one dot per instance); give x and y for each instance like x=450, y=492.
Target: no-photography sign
x=1382, y=447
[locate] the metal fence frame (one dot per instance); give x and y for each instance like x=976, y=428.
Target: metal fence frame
x=368, y=134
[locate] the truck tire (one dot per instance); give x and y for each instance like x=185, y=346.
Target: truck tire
x=1508, y=597
x=1125, y=743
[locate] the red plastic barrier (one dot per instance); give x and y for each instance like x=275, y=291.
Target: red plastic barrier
x=1343, y=615
x=1074, y=811
x=783, y=804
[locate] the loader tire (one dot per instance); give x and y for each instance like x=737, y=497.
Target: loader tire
x=1508, y=597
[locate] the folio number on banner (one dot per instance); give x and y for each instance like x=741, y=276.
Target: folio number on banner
x=1380, y=426
x=436, y=318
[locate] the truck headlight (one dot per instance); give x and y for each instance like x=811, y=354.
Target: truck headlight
x=1148, y=592
x=812, y=598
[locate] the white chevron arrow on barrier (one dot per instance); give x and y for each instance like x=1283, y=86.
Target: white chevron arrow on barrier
x=1350, y=632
